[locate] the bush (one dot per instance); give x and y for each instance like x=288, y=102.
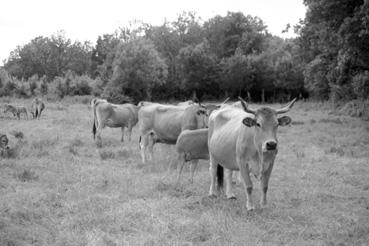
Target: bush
x=360, y=84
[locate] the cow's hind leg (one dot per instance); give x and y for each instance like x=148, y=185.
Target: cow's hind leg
x=213, y=177
x=193, y=167
x=98, y=135
x=229, y=184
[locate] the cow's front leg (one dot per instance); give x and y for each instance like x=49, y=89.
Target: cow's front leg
x=264, y=185
x=245, y=173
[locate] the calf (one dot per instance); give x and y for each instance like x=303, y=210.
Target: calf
x=192, y=145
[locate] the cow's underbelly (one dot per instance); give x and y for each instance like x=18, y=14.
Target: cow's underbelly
x=113, y=123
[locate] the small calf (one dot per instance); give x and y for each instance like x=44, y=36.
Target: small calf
x=192, y=145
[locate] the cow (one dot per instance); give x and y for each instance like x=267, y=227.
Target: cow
x=113, y=115
x=246, y=140
x=37, y=107
x=192, y=145
x=16, y=110
x=165, y=123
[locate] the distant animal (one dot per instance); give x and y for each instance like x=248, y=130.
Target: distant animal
x=192, y=145
x=3, y=144
x=166, y=122
x=113, y=115
x=16, y=110
x=37, y=107
x=246, y=140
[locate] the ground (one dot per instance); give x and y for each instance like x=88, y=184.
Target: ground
x=58, y=188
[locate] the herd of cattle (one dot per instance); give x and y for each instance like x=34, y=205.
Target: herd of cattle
x=37, y=107
x=233, y=137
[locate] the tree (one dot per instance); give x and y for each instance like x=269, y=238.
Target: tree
x=198, y=70
x=137, y=69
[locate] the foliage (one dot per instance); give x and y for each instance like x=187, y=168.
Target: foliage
x=137, y=69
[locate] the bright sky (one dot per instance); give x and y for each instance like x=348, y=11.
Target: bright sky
x=23, y=20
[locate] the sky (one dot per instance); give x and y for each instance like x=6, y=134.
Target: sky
x=23, y=20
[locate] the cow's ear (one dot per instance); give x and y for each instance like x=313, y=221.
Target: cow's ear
x=284, y=120
x=248, y=121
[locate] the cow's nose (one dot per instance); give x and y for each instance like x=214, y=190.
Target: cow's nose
x=271, y=145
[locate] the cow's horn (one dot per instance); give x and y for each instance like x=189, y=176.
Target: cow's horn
x=244, y=105
x=287, y=107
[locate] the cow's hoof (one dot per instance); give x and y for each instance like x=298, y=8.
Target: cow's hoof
x=212, y=196
x=250, y=207
x=232, y=198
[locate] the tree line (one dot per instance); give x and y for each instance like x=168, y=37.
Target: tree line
x=225, y=56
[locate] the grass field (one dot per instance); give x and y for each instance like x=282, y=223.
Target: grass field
x=59, y=189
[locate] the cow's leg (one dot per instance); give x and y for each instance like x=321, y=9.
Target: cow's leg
x=245, y=173
x=181, y=163
x=151, y=142
x=98, y=135
x=264, y=184
x=122, y=138
x=143, y=145
x=213, y=177
x=129, y=131
x=228, y=181
x=193, y=167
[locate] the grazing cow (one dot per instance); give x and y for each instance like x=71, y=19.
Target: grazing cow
x=16, y=110
x=192, y=145
x=245, y=140
x=166, y=122
x=37, y=107
x=113, y=115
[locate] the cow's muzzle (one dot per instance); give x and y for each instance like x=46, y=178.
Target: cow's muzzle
x=270, y=145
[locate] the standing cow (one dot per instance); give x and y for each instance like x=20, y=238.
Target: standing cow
x=245, y=140
x=37, y=107
x=113, y=115
x=192, y=145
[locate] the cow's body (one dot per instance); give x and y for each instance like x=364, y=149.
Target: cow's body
x=114, y=116
x=244, y=140
x=192, y=145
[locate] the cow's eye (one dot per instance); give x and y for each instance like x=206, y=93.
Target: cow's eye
x=258, y=124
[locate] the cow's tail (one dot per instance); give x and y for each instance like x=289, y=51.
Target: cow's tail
x=220, y=176
x=139, y=142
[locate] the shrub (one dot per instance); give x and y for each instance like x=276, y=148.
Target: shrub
x=360, y=84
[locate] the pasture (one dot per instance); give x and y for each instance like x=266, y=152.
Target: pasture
x=58, y=188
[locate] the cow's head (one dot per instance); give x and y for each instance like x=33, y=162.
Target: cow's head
x=4, y=142
x=266, y=122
